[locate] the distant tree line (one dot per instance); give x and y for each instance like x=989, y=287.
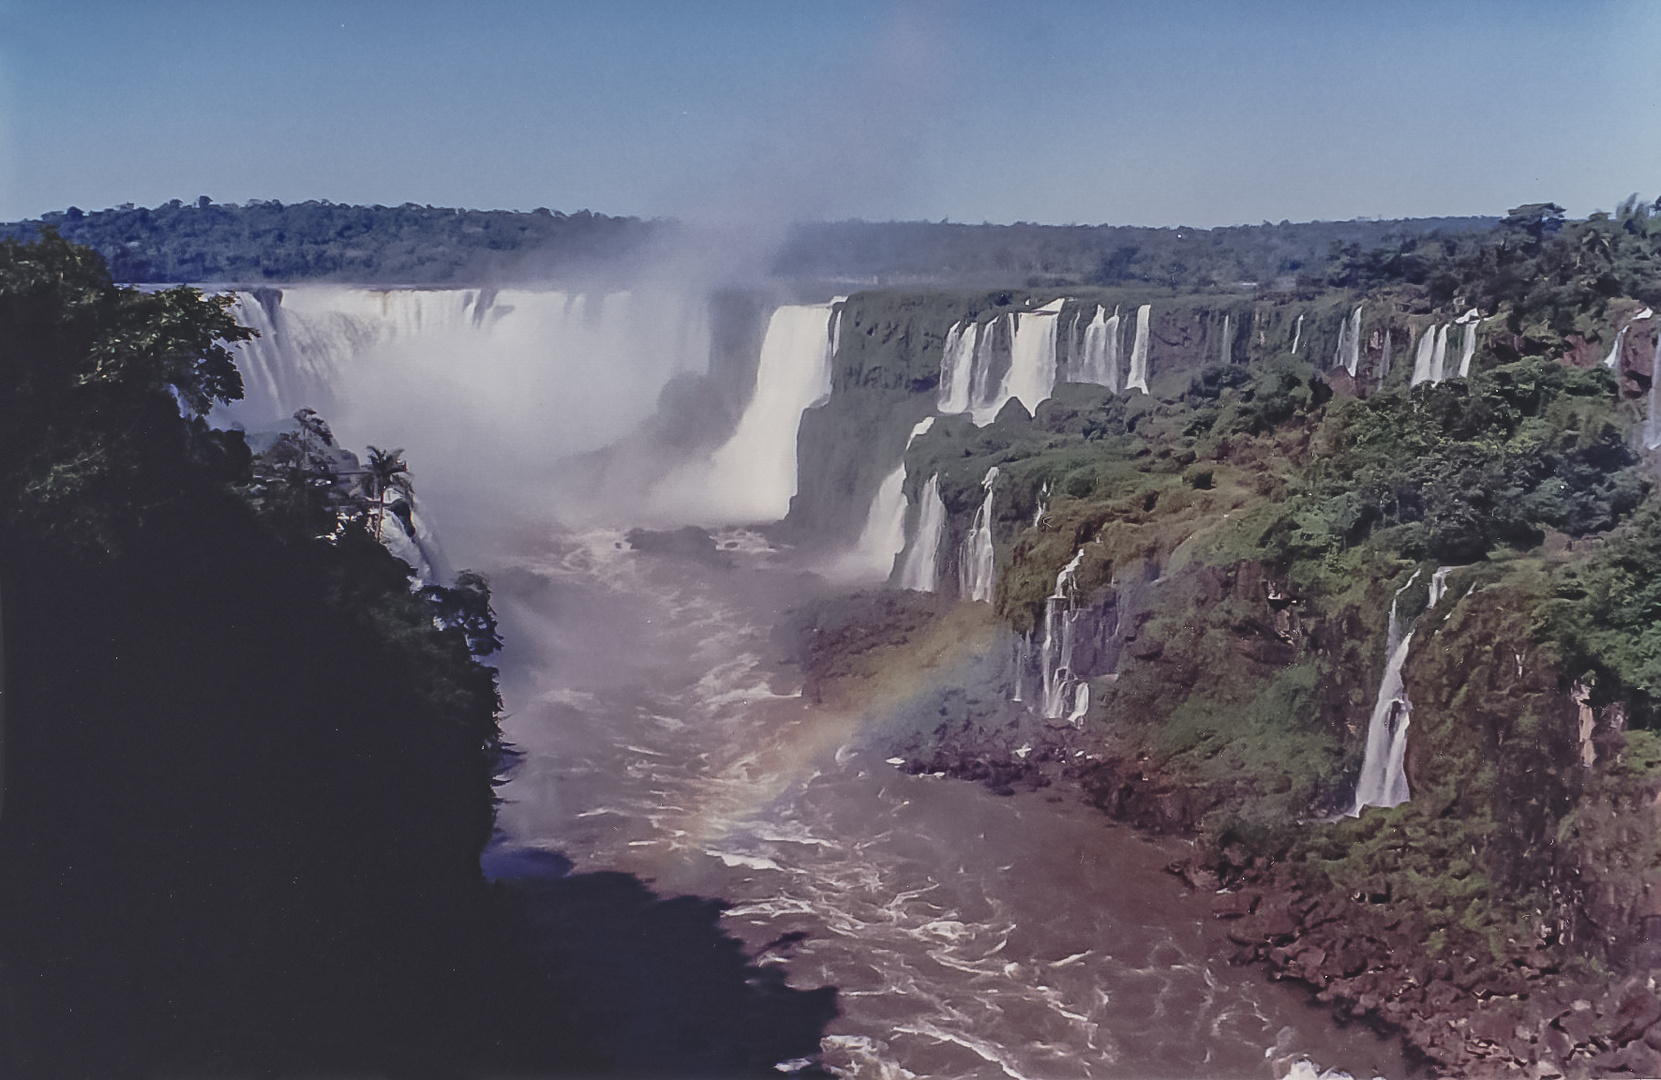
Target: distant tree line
x=1283, y=256
x=263, y=241
x=1544, y=270
x=269, y=241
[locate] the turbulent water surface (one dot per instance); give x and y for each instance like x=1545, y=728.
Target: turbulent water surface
x=968, y=935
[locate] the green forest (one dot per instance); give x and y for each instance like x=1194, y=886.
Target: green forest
x=270, y=242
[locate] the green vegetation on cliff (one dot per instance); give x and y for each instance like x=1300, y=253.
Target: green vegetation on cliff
x=1250, y=530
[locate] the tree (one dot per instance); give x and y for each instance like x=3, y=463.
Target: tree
x=386, y=471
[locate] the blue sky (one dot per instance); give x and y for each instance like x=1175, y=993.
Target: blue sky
x=1047, y=110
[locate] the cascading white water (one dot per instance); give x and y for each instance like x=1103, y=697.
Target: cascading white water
x=1422, y=358
x=957, y=368
x=883, y=536
x=978, y=567
x=1043, y=505
x=971, y=355
x=1467, y=347
x=752, y=477
x=1438, y=585
x=1031, y=375
x=1652, y=421
x=1056, y=652
x=1100, y=361
x=1439, y=354
x=1383, y=765
x=1297, y=335
x=1613, y=360
x=986, y=395
x=1225, y=352
x=1352, y=342
x=481, y=388
x=365, y=358
x=920, y=569
x=1138, y=378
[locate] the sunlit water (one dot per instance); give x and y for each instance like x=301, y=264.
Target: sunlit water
x=968, y=935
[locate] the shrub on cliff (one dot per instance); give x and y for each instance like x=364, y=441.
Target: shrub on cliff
x=1606, y=615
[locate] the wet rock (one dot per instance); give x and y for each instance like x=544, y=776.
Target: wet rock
x=1633, y=1010
x=1640, y=1059
x=1578, y=1026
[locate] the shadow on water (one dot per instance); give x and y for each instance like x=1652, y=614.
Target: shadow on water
x=657, y=987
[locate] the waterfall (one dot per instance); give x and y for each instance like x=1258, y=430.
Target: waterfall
x=1032, y=357
x=1383, y=774
x=1225, y=354
x=1351, y=339
x=1439, y=355
x=884, y=534
x=920, y=569
x=1421, y=359
x=1613, y=360
x=978, y=568
x=1056, y=653
x=1467, y=350
x=957, y=368
x=1100, y=362
x=1023, y=659
x=1467, y=346
x=1297, y=335
x=1081, y=704
x=373, y=362
x=480, y=387
x=1438, y=585
x=1652, y=421
x=986, y=394
x=1138, y=379
x=1384, y=359
x=1043, y=500
x=970, y=358
x=753, y=476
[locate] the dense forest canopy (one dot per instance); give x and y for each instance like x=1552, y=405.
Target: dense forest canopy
x=268, y=241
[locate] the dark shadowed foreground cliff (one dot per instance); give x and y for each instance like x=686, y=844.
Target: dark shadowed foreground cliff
x=249, y=771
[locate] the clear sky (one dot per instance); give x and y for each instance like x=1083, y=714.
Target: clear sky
x=1162, y=112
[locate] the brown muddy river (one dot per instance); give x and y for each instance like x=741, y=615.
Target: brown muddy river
x=968, y=935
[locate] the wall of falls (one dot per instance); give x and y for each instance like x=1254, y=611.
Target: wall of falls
x=1032, y=368
x=484, y=389
x=1098, y=362
x=752, y=477
x=983, y=365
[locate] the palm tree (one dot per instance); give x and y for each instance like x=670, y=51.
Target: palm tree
x=386, y=471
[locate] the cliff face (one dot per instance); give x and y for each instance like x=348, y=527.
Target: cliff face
x=1312, y=551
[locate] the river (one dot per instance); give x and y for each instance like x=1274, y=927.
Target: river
x=968, y=935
